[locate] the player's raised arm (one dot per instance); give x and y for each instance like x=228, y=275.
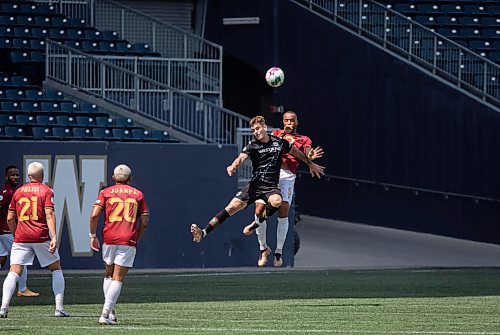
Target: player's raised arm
x=315, y=169
x=231, y=169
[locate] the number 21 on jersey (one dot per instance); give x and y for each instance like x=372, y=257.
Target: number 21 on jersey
x=27, y=203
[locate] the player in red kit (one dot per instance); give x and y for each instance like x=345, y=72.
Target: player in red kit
x=288, y=171
x=32, y=220
x=123, y=206
x=6, y=237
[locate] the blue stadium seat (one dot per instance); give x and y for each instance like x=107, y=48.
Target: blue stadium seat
x=50, y=107
x=45, y=120
x=30, y=106
x=121, y=134
x=90, y=47
x=69, y=107
x=451, y=9
x=85, y=121
x=124, y=122
x=475, y=9
x=19, y=81
x=15, y=132
x=41, y=132
x=60, y=133
x=101, y=133
x=65, y=120
x=14, y=94
x=33, y=94
x=54, y=95
x=160, y=135
x=88, y=108
x=104, y=121
x=81, y=133
x=5, y=120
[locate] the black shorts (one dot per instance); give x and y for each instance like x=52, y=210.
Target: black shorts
x=251, y=193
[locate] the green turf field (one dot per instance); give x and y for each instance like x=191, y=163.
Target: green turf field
x=425, y=301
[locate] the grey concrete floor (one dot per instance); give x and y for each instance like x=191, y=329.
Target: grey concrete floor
x=341, y=245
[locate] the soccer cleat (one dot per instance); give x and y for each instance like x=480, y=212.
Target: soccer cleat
x=112, y=316
x=248, y=230
x=3, y=313
x=106, y=321
x=197, y=233
x=27, y=293
x=278, y=260
x=61, y=313
x=263, y=257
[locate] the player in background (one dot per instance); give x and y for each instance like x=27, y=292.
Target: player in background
x=289, y=167
x=32, y=220
x=265, y=152
x=6, y=237
x=123, y=206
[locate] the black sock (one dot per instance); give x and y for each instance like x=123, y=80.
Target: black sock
x=217, y=220
x=270, y=210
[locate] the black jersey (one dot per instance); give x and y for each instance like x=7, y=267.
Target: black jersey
x=266, y=159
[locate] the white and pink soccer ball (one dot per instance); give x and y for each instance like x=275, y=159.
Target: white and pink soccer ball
x=275, y=76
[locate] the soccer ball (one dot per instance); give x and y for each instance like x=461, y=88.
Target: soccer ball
x=275, y=76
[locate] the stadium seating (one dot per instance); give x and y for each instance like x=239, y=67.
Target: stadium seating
x=29, y=112
x=473, y=24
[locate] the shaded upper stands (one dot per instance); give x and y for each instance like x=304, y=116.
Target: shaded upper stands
x=24, y=26
x=26, y=112
x=473, y=24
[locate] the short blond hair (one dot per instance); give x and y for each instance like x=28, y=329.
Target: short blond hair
x=122, y=173
x=35, y=170
x=258, y=119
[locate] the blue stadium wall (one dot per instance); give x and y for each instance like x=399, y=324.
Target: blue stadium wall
x=377, y=117
x=183, y=184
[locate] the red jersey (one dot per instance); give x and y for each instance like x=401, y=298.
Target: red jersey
x=300, y=142
x=122, y=205
x=29, y=203
x=5, y=198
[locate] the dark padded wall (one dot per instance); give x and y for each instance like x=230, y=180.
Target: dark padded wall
x=377, y=117
x=183, y=184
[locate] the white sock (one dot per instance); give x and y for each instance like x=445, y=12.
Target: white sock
x=9, y=286
x=22, y=279
x=105, y=285
x=261, y=234
x=112, y=296
x=281, y=232
x=58, y=288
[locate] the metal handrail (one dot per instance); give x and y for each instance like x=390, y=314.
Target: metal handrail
x=415, y=190
x=200, y=60
x=442, y=56
x=184, y=112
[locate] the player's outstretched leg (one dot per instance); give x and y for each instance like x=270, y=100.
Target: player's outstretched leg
x=197, y=233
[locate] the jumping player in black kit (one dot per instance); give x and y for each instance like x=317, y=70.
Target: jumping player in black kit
x=265, y=152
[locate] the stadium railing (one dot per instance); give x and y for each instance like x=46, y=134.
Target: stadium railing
x=202, y=59
x=417, y=44
x=184, y=112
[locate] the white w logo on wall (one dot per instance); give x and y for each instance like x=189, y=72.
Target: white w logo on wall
x=75, y=190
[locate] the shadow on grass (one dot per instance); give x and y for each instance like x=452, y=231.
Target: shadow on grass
x=168, y=287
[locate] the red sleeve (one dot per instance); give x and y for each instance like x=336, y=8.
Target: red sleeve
x=12, y=205
x=276, y=132
x=307, y=142
x=49, y=199
x=143, y=207
x=100, y=200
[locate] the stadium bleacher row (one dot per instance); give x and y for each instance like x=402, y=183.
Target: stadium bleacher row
x=29, y=112
x=473, y=24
